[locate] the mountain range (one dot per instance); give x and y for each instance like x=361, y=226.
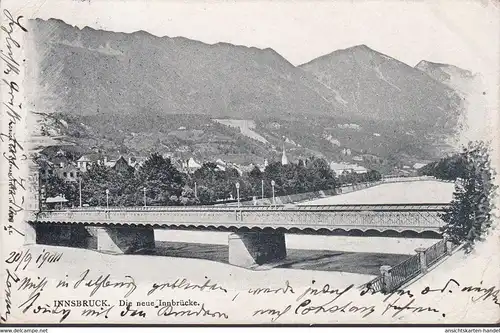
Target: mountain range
x=377, y=86
x=135, y=92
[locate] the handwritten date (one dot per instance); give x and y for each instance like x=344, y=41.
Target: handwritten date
x=22, y=259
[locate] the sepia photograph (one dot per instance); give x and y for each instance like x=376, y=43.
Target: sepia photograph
x=250, y=162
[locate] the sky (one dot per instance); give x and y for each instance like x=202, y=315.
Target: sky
x=459, y=32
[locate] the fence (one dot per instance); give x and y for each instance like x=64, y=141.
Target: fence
x=404, y=271
x=391, y=278
x=435, y=252
x=376, y=285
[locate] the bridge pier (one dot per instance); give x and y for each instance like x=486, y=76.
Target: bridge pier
x=109, y=239
x=249, y=248
x=121, y=240
x=72, y=235
x=30, y=233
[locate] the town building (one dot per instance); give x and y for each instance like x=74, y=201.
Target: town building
x=339, y=168
x=191, y=165
x=122, y=166
x=346, y=152
x=87, y=160
x=109, y=163
x=418, y=166
x=136, y=162
x=69, y=173
x=57, y=202
x=221, y=165
x=46, y=168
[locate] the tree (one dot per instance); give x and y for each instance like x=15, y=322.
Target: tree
x=274, y=171
x=206, y=195
x=55, y=186
x=320, y=175
x=448, y=168
x=469, y=217
x=94, y=184
x=163, y=182
x=188, y=197
x=373, y=175
x=255, y=173
x=212, y=182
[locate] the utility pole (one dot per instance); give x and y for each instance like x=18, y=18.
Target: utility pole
x=262, y=188
x=144, y=195
x=195, y=191
x=80, y=190
x=272, y=184
x=107, y=199
x=238, y=193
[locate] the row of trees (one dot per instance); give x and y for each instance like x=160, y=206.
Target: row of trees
x=165, y=185
x=448, y=168
x=291, y=178
x=470, y=216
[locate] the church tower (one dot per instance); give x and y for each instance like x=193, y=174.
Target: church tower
x=284, y=159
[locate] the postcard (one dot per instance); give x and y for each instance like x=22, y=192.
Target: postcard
x=249, y=162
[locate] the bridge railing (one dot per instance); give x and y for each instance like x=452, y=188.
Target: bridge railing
x=392, y=278
x=376, y=285
x=428, y=207
x=435, y=252
x=404, y=271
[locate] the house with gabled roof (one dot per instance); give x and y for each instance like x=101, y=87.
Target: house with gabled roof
x=87, y=160
x=121, y=165
x=192, y=165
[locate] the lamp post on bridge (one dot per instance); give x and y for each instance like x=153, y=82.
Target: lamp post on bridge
x=262, y=188
x=144, y=195
x=272, y=184
x=80, y=190
x=238, y=193
x=107, y=199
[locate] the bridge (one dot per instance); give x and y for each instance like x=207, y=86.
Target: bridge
x=258, y=231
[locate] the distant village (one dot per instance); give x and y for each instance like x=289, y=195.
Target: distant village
x=69, y=167
x=72, y=165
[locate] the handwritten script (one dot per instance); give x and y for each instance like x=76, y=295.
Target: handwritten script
x=36, y=296
x=12, y=106
x=14, y=151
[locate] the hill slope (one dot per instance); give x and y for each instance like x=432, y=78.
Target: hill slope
x=454, y=77
x=128, y=74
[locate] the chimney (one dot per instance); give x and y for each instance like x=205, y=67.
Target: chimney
x=130, y=160
x=61, y=164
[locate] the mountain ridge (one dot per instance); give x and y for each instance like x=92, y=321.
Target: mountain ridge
x=456, y=78
x=149, y=34
x=369, y=80
x=145, y=84
x=221, y=70
x=347, y=49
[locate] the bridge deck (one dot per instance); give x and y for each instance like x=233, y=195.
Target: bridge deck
x=396, y=217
